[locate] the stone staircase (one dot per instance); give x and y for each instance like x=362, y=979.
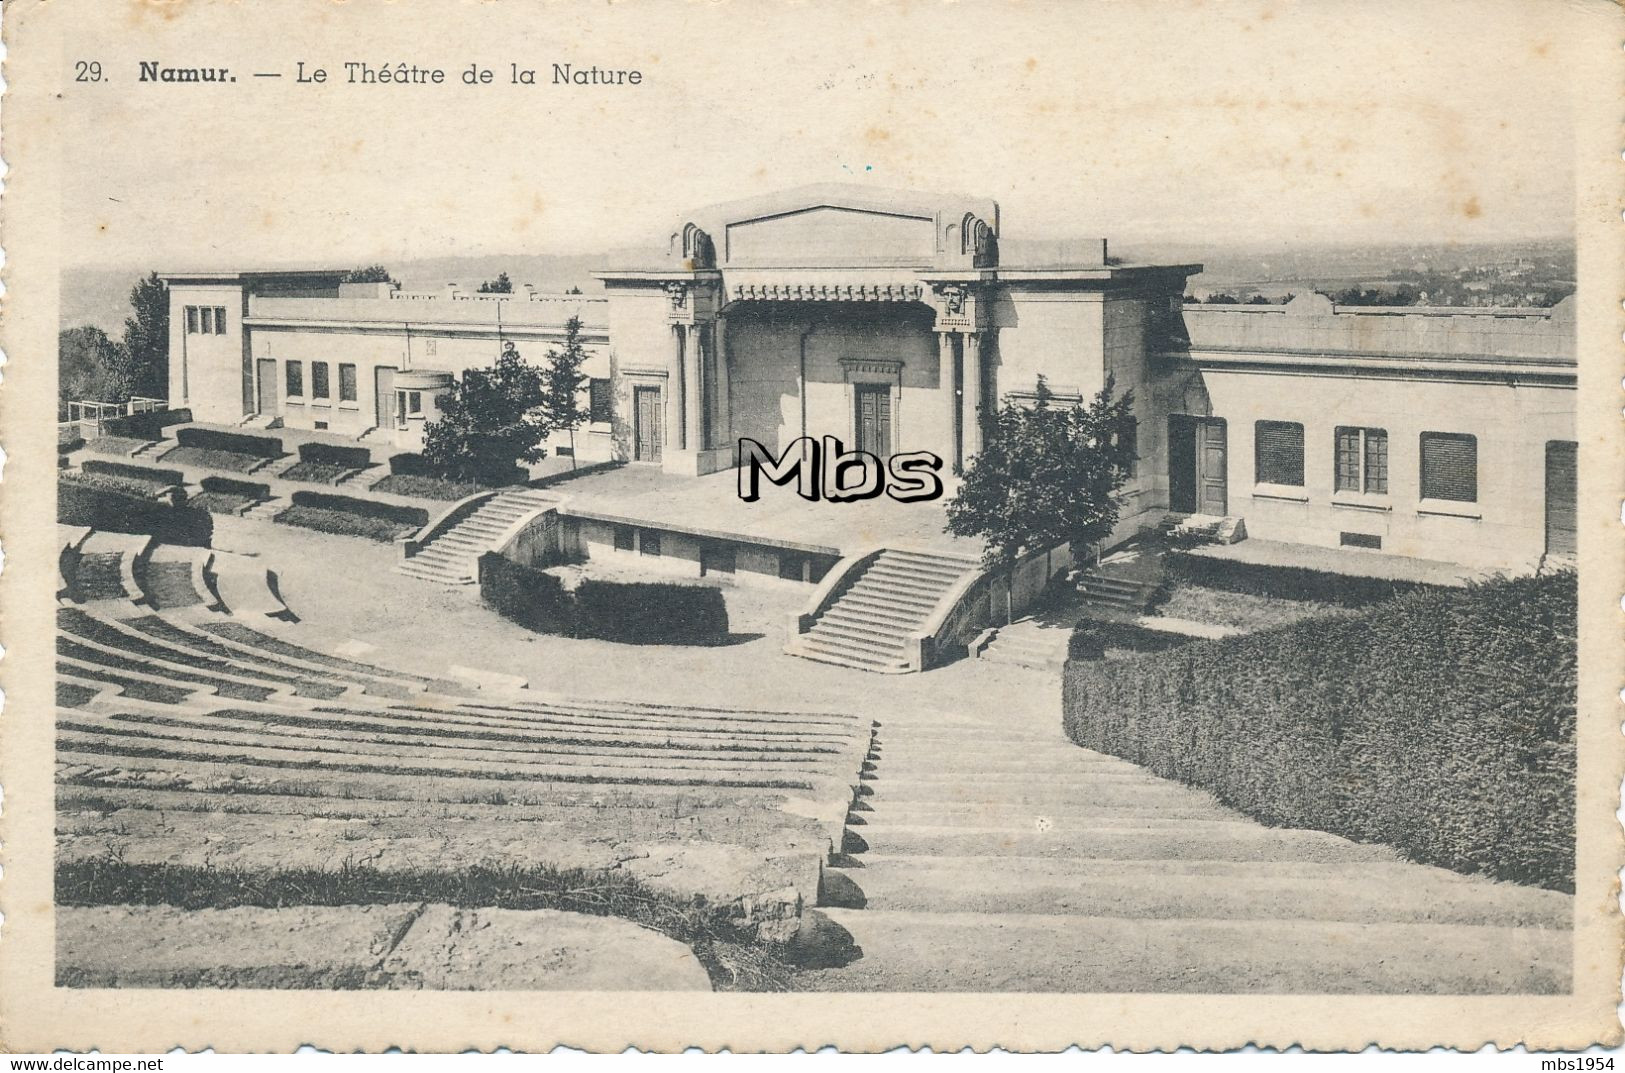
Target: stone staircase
x=1029, y=643
x=988, y=853
x=1111, y=592
x=1203, y=529
x=452, y=557
x=266, y=510
x=870, y=623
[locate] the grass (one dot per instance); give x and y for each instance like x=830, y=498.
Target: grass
x=116, y=445
x=317, y=472
x=210, y=458
x=1247, y=611
x=418, y=487
x=222, y=502
x=733, y=957
x=343, y=523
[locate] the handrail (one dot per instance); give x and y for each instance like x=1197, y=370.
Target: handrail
x=830, y=587
x=411, y=545
x=934, y=636
x=504, y=540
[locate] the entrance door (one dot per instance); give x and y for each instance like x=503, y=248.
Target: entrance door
x=383, y=393
x=1212, y=489
x=1560, y=497
x=1196, y=465
x=874, y=419
x=646, y=424
x=265, y=381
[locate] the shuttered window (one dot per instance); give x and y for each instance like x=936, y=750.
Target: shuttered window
x=1362, y=460
x=601, y=401
x=1278, y=453
x=1450, y=466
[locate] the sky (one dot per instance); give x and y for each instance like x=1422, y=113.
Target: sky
x=1246, y=123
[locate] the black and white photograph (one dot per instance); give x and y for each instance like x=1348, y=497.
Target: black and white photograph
x=995, y=507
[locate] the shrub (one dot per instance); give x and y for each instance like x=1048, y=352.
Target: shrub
x=411, y=464
x=212, y=458
x=215, y=440
x=531, y=598
x=1095, y=639
x=106, y=508
x=628, y=612
x=147, y=426
x=418, y=487
x=412, y=517
x=1440, y=723
x=160, y=478
x=316, y=472
x=228, y=486
x=334, y=455
x=649, y=612
x=1284, y=582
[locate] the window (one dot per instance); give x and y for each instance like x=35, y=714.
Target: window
x=1131, y=441
x=296, y=379
x=414, y=403
x=318, y=380
x=1362, y=460
x=220, y=320
x=623, y=538
x=1278, y=453
x=601, y=407
x=649, y=542
x=207, y=313
x=346, y=383
x=192, y=320
x=1450, y=466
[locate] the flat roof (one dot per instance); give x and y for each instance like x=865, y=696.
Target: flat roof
x=265, y=273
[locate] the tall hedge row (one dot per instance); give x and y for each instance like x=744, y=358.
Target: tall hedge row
x=367, y=508
x=335, y=455
x=1440, y=723
x=1284, y=582
x=106, y=508
x=628, y=612
x=230, y=487
x=215, y=440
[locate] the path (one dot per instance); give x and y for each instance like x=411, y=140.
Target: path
x=991, y=854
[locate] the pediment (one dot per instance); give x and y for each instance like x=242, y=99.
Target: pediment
x=831, y=235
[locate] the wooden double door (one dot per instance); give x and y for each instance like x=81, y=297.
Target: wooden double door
x=872, y=422
x=1198, y=461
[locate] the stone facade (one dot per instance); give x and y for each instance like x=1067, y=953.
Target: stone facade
x=893, y=320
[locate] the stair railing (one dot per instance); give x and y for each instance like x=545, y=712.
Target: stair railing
x=966, y=609
x=411, y=545
x=841, y=577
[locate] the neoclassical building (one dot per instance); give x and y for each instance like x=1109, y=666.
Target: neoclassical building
x=894, y=320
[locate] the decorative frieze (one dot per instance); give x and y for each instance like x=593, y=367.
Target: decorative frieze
x=828, y=292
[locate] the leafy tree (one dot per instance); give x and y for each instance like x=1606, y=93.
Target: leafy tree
x=564, y=382
x=1046, y=475
x=501, y=285
x=146, y=339
x=371, y=274
x=493, y=421
x=90, y=366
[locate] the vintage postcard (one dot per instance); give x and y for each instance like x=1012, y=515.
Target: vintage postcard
x=765, y=525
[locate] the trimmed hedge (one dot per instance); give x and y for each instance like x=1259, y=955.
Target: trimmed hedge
x=151, y=474
x=412, y=464
x=1284, y=582
x=235, y=442
x=1440, y=723
x=528, y=597
x=416, y=517
x=227, y=486
x=334, y=455
x=119, y=512
x=146, y=426
x=629, y=612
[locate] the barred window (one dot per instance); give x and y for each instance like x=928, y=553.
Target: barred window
x=347, y=383
x=1362, y=460
x=318, y=380
x=1278, y=453
x=1450, y=466
x=601, y=404
x=296, y=379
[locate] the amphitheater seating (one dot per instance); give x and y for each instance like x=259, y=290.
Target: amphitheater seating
x=104, y=568
x=246, y=588
x=173, y=577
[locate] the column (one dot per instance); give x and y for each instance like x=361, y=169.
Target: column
x=693, y=399
x=945, y=379
x=722, y=424
x=676, y=424
x=972, y=381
